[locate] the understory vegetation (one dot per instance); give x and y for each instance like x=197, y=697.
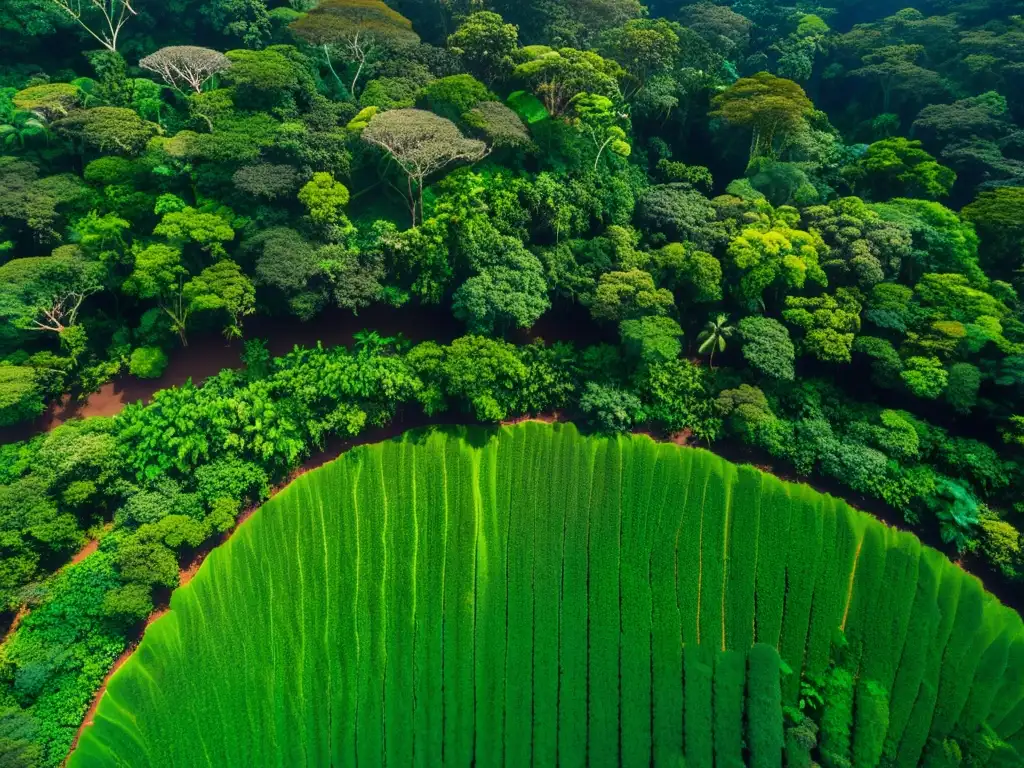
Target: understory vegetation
x=531, y=595
x=793, y=227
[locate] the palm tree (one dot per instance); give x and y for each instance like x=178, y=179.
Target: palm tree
x=714, y=335
x=22, y=126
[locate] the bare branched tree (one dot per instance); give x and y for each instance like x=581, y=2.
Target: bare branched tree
x=111, y=15
x=186, y=65
x=421, y=143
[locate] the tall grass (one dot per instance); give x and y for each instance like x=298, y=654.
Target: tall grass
x=530, y=596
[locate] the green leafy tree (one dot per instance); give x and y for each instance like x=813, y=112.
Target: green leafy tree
x=829, y=323
x=768, y=347
x=998, y=215
x=696, y=273
x=925, y=377
x=501, y=126
x=108, y=129
x=247, y=20
x=160, y=275
x=21, y=397
x=629, y=295
x=46, y=293
x=962, y=387
x=421, y=143
x=486, y=44
x=899, y=77
x=864, y=247
x=324, y=198
x=771, y=107
x=676, y=394
x=722, y=27
x=652, y=339
x=779, y=259
x=611, y=409
x=645, y=48
x=509, y=291
x=486, y=373
x=147, y=362
x=356, y=30
x=557, y=76
x=898, y=167
x=222, y=287
x=681, y=214
x=598, y=118
x=453, y=96
x=207, y=230
x=51, y=100
x=713, y=337
x=940, y=240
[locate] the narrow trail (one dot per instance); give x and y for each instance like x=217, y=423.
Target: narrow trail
x=207, y=355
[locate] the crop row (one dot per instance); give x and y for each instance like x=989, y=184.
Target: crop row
x=532, y=596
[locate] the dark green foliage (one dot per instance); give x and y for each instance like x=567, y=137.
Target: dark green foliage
x=561, y=164
x=837, y=720
x=871, y=720
x=765, y=738
x=729, y=686
x=698, y=723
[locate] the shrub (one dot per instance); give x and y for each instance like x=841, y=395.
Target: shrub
x=147, y=362
x=767, y=346
x=21, y=397
x=611, y=409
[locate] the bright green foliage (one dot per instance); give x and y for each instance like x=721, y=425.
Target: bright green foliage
x=147, y=362
x=558, y=75
x=767, y=346
x=925, y=377
x=324, y=198
x=629, y=295
x=207, y=230
x=108, y=129
x=520, y=522
x=453, y=96
x=776, y=261
x=871, y=720
x=486, y=43
x=651, y=339
x=837, y=720
x=828, y=323
x=998, y=213
x=764, y=711
x=898, y=167
x=771, y=107
x=20, y=395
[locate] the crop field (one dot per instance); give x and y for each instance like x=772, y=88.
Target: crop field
x=531, y=596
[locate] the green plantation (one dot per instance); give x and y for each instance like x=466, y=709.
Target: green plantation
x=531, y=596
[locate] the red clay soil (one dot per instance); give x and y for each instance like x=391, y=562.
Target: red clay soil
x=84, y=552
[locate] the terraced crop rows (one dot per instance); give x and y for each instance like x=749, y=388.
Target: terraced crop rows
x=530, y=596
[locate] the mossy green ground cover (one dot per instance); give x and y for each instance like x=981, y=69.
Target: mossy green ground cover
x=528, y=595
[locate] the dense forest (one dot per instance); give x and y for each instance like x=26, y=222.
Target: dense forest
x=796, y=228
